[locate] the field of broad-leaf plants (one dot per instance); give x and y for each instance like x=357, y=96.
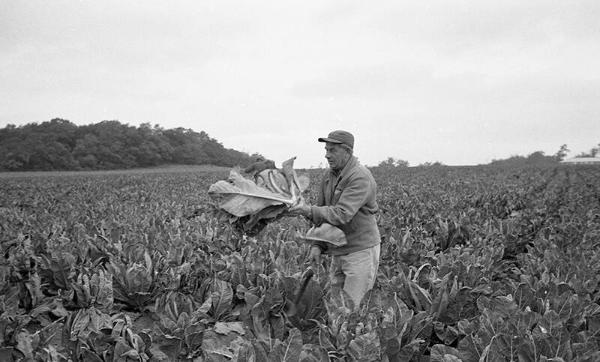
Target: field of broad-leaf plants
x=477, y=264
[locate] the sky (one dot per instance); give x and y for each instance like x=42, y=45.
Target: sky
x=458, y=82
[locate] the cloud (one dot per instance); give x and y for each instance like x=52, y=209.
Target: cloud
x=384, y=80
x=463, y=24
x=436, y=80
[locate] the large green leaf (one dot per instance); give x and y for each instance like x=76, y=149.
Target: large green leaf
x=442, y=353
x=411, y=351
x=24, y=344
x=445, y=333
x=365, y=347
x=10, y=354
x=57, y=271
x=86, y=321
x=441, y=300
x=222, y=347
x=303, y=307
x=229, y=327
x=222, y=297
x=260, y=321
x=101, y=287
x=290, y=349
x=166, y=348
x=313, y=353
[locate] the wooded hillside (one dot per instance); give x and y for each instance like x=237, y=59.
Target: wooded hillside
x=62, y=145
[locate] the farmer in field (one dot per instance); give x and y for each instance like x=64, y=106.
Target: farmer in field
x=347, y=200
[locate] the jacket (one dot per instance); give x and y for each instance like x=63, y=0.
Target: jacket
x=347, y=200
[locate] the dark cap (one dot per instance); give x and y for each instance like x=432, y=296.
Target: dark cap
x=339, y=137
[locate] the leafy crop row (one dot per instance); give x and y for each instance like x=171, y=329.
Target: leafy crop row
x=477, y=264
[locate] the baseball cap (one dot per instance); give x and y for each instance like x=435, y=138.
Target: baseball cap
x=340, y=137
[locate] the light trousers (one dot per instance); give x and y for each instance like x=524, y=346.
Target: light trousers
x=356, y=272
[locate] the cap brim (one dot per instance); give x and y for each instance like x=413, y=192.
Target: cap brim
x=330, y=140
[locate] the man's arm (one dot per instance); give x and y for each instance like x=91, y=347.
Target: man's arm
x=305, y=210
x=353, y=197
x=321, y=193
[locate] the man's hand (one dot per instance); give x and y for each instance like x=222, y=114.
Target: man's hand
x=302, y=208
x=315, y=254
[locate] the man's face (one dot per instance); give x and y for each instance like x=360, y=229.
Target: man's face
x=336, y=155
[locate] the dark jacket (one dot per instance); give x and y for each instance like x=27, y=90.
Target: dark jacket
x=347, y=200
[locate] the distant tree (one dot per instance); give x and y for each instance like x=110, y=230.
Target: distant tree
x=585, y=154
x=431, y=164
x=45, y=146
x=401, y=163
x=562, y=152
x=392, y=162
x=13, y=161
x=593, y=152
x=389, y=162
x=537, y=158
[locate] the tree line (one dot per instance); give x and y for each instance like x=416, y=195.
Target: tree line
x=537, y=158
x=62, y=145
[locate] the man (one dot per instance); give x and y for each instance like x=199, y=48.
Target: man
x=347, y=200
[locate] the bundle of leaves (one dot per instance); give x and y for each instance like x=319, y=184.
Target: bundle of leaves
x=251, y=204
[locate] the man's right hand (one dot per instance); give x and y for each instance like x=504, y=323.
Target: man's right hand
x=315, y=254
x=302, y=209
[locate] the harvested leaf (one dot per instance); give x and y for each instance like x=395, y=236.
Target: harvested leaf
x=251, y=204
x=240, y=196
x=326, y=233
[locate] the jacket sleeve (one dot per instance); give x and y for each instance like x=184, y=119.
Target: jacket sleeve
x=321, y=194
x=352, y=198
x=320, y=202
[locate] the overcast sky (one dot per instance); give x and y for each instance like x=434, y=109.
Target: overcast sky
x=460, y=82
